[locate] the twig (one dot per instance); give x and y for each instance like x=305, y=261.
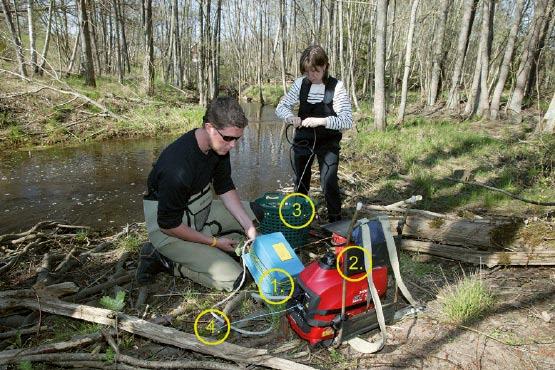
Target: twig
x=31, y=330
x=550, y=204
x=77, y=341
x=100, y=287
x=500, y=341
x=74, y=93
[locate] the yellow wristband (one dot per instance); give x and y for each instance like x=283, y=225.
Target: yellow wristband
x=214, y=241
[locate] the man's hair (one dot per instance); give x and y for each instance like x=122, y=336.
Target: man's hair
x=225, y=111
x=312, y=57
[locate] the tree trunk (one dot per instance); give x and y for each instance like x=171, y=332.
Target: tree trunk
x=515, y=105
x=260, y=95
x=148, y=66
x=437, y=62
x=119, y=63
x=487, y=16
x=47, y=38
x=125, y=51
x=408, y=55
x=176, y=52
x=87, y=62
x=549, y=118
x=340, y=27
x=17, y=26
x=505, y=63
x=200, y=54
x=462, y=46
x=379, y=66
x=74, y=52
x=217, y=38
x=15, y=38
x=282, y=44
x=32, y=40
x=532, y=82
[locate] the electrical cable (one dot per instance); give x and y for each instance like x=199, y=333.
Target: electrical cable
x=305, y=144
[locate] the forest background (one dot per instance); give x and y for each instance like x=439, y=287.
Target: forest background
x=448, y=96
x=472, y=58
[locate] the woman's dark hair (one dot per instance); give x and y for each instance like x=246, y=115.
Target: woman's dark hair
x=225, y=111
x=312, y=57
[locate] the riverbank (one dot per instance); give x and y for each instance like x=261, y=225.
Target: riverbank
x=45, y=113
x=425, y=156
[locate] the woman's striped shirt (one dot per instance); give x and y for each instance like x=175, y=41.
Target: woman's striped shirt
x=341, y=104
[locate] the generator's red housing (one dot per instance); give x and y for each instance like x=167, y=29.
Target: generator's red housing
x=315, y=308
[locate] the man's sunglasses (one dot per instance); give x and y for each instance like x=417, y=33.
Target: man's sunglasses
x=227, y=138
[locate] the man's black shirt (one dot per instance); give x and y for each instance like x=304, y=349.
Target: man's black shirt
x=181, y=171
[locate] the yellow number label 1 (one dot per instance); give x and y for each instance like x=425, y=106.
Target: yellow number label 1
x=275, y=285
x=297, y=212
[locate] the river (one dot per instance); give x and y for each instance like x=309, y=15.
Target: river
x=101, y=184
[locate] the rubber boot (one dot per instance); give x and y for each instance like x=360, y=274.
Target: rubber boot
x=151, y=262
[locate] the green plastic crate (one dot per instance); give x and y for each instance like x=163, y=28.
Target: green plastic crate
x=296, y=211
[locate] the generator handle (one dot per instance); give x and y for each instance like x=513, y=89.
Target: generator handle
x=339, y=337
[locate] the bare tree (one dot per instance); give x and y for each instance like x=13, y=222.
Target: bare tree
x=87, y=59
x=505, y=63
x=260, y=46
x=515, y=104
x=483, y=108
x=15, y=38
x=549, y=118
x=47, y=37
x=467, y=20
x=379, y=67
x=148, y=65
x=32, y=40
x=408, y=55
x=437, y=62
x=282, y=44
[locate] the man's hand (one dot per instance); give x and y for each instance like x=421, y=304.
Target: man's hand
x=251, y=232
x=225, y=244
x=295, y=121
x=314, y=122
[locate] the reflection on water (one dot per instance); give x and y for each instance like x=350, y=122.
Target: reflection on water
x=101, y=184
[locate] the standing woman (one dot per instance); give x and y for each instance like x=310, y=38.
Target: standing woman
x=324, y=112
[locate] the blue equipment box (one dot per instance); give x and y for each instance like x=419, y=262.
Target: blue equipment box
x=272, y=251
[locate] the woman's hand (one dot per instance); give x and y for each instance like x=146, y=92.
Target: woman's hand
x=295, y=121
x=314, y=122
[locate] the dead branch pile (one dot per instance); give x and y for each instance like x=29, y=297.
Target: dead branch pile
x=45, y=262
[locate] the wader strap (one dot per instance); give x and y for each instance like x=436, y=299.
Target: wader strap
x=372, y=347
x=359, y=344
x=394, y=260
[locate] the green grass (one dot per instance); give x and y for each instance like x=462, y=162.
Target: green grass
x=130, y=243
x=271, y=93
x=466, y=301
x=417, y=269
x=421, y=156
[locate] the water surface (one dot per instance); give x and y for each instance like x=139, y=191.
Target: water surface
x=101, y=184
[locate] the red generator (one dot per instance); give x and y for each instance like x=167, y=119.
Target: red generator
x=315, y=307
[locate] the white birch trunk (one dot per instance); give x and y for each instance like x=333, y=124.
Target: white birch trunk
x=408, y=56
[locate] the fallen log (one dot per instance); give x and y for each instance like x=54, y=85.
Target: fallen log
x=128, y=276
x=134, y=325
x=123, y=361
x=480, y=233
x=490, y=259
x=13, y=333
